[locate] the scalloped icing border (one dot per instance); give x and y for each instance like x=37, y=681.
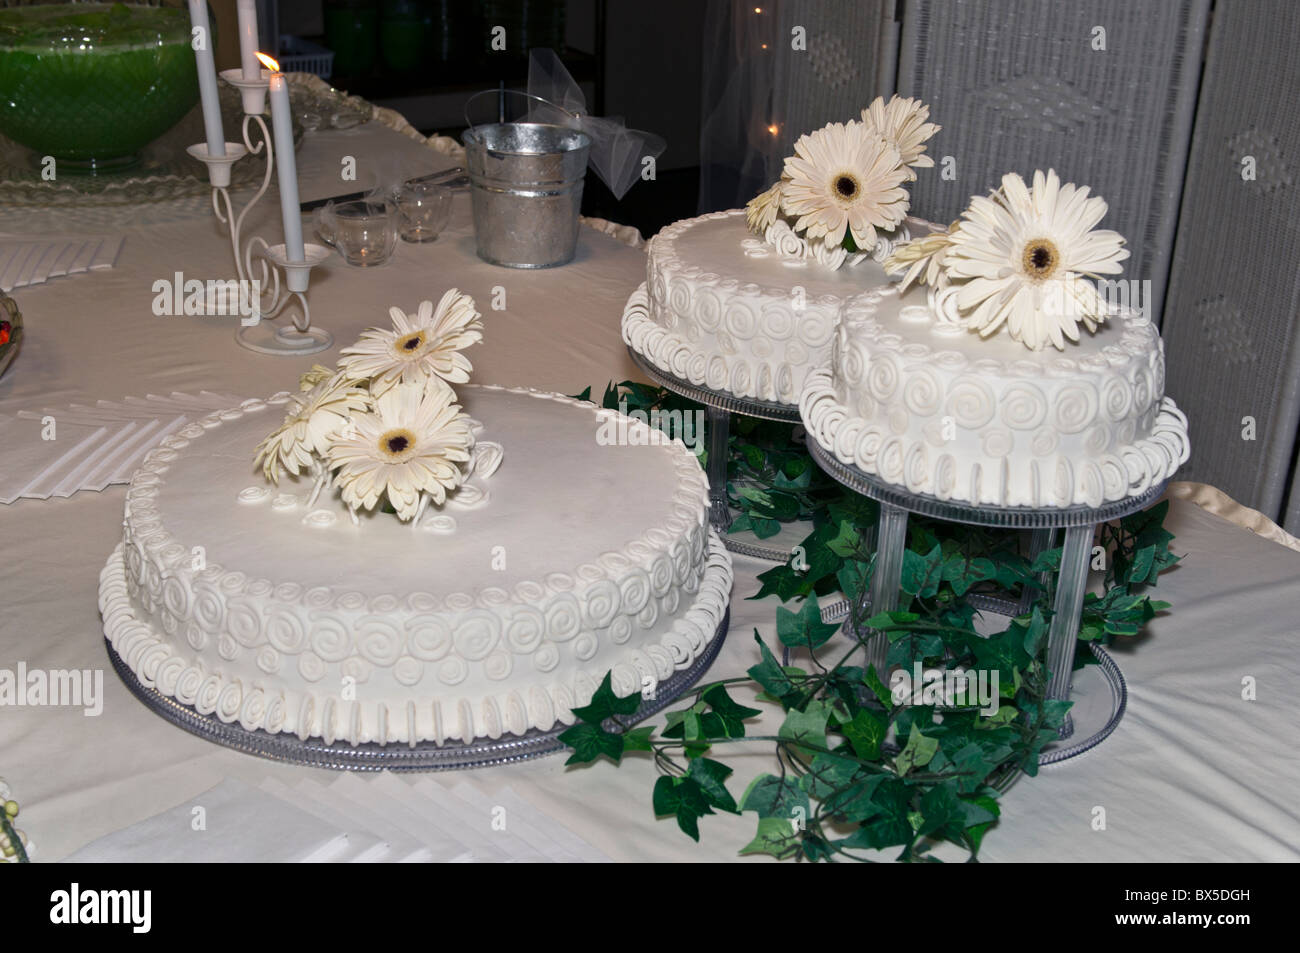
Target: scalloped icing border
x=159, y=666
x=824, y=416
x=683, y=359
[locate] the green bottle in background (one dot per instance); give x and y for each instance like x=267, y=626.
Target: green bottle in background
x=352, y=32
x=406, y=34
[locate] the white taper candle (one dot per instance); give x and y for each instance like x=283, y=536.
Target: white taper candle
x=201, y=41
x=248, y=62
x=286, y=169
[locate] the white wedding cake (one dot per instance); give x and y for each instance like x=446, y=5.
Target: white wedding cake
x=420, y=570
x=724, y=310
x=1010, y=381
x=746, y=301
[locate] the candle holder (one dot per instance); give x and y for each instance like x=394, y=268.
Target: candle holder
x=257, y=260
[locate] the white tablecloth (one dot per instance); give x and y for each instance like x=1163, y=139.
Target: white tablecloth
x=1194, y=772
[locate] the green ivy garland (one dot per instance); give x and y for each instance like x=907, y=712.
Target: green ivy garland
x=858, y=770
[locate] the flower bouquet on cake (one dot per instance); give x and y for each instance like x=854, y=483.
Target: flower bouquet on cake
x=1020, y=258
x=841, y=197
x=384, y=426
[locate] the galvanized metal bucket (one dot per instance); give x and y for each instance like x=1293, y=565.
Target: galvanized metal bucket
x=526, y=189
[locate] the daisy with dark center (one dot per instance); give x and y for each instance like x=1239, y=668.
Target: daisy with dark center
x=409, y=450
x=844, y=179
x=419, y=347
x=1023, y=255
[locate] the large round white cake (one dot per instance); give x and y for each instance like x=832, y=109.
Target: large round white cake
x=934, y=407
x=725, y=310
x=560, y=558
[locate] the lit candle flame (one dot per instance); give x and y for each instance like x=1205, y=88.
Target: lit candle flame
x=272, y=65
x=772, y=129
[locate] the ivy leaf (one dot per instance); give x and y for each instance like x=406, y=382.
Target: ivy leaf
x=815, y=848
x=889, y=620
x=962, y=572
x=865, y=734
x=776, y=836
x=852, y=577
x=942, y=811
x=808, y=726
x=804, y=629
x=1049, y=560
x=772, y=677
x=590, y=741
x=975, y=832
x=883, y=694
x=638, y=739
x=917, y=753
x=889, y=826
x=784, y=582
x=974, y=764
x=1035, y=633
x=846, y=540
x=710, y=775
x=1005, y=715
x=684, y=799
x=730, y=713
x=854, y=509
x=1140, y=569
x=771, y=796
x=922, y=574
x=843, y=786
x=605, y=704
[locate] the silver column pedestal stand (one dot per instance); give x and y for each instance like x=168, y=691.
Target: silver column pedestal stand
x=1099, y=702
x=718, y=408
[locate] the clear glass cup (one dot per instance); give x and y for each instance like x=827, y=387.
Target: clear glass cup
x=364, y=230
x=423, y=209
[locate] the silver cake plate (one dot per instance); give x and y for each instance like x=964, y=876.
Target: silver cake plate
x=719, y=406
x=423, y=756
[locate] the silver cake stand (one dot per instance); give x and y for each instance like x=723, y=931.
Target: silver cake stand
x=718, y=408
x=1101, y=696
x=423, y=756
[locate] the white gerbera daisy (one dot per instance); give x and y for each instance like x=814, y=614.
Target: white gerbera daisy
x=313, y=420
x=1023, y=253
x=902, y=123
x=762, y=210
x=419, y=347
x=844, y=178
x=922, y=259
x=408, y=447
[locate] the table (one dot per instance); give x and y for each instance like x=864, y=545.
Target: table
x=1193, y=773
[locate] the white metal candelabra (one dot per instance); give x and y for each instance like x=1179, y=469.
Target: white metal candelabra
x=267, y=297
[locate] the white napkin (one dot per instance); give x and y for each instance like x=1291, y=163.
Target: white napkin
x=359, y=815
x=362, y=846
x=241, y=824
x=95, y=445
x=33, y=261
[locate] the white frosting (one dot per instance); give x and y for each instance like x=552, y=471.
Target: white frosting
x=586, y=558
x=938, y=410
x=722, y=309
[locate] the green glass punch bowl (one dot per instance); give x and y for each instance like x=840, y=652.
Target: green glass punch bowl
x=94, y=83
